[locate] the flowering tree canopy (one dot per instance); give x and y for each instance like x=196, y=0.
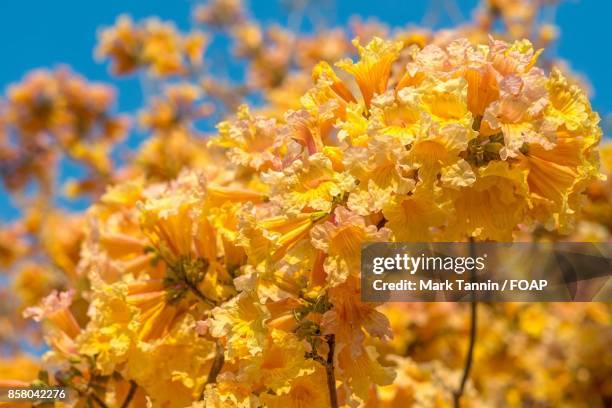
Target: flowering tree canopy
x=221, y=269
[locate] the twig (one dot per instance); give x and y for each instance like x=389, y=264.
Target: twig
x=217, y=364
x=470, y=354
x=97, y=399
x=329, y=369
x=473, y=328
x=130, y=394
x=216, y=367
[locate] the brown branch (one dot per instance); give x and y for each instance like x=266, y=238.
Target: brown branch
x=130, y=394
x=216, y=367
x=473, y=329
x=470, y=354
x=217, y=363
x=97, y=399
x=329, y=369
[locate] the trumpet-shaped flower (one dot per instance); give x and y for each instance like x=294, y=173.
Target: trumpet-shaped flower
x=341, y=239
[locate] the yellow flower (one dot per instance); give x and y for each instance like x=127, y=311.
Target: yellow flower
x=59, y=114
x=341, y=239
x=55, y=309
x=350, y=319
x=491, y=207
x=124, y=194
x=112, y=331
x=373, y=69
x=325, y=45
x=283, y=359
x=299, y=268
x=354, y=127
x=361, y=372
x=310, y=184
x=170, y=219
x=558, y=174
x=446, y=101
x=381, y=170
x=241, y=323
x=437, y=148
x=157, y=315
x=172, y=371
x=177, y=224
x=416, y=217
x=323, y=73
x=517, y=57
x=483, y=88
x=250, y=140
x=271, y=238
x=398, y=115
x=305, y=391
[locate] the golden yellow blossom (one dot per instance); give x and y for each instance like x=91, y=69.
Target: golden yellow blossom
x=341, y=239
x=373, y=69
x=305, y=391
x=251, y=141
x=308, y=184
x=241, y=322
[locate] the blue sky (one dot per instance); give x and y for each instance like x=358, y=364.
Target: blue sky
x=47, y=33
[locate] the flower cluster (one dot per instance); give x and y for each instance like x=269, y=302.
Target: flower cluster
x=54, y=114
x=153, y=46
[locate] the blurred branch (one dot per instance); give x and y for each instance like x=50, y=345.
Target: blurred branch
x=473, y=329
x=130, y=395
